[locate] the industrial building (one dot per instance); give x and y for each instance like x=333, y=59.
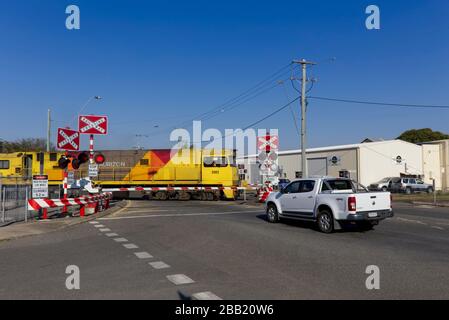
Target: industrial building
x=366, y=162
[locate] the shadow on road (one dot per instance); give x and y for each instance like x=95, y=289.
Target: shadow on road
x=312, y=225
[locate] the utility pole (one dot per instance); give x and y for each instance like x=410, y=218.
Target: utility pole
x=48, y=129
x=303, y=64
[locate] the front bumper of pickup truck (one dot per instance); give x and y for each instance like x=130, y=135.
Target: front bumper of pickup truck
x=365, y=216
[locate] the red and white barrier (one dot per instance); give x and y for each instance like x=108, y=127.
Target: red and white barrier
x=175, y=189
x=37, y=204
x=264, y=192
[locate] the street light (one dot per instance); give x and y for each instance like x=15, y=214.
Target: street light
x=85, y=105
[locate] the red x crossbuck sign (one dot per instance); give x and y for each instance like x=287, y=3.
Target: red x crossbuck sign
x=93, y=124
x=268, y=143
x=68, y=140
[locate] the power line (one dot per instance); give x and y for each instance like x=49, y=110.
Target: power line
x=273, y=113
x=254, y=88
x=387, y=104
x=241, y=102
x=260, y=120
x=250, y=94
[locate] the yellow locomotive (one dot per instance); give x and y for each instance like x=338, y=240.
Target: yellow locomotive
x=138, y=168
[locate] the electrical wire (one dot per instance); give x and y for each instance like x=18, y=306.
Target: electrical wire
x=250, y=94
x=387, y=104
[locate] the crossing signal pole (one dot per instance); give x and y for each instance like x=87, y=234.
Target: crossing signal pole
x=304, y=65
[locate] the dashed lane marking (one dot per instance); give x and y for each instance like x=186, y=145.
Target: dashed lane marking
x=159, y=265
x=182, y=215
x=93, y=222
x=130, y=246
x=111, y=234
x=98, y=226
x=105, y=230
x=438, y=228
x=120, y=240
x=205, y=296
x=143, y=255
x=179, y=279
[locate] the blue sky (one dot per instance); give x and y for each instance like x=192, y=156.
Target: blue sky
x=159, y=63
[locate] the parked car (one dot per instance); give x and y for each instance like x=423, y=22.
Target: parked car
x=283, y=183
x=382, y=185
x=330, y=202
x=410, y=185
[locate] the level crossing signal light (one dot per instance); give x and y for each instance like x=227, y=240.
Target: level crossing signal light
x=76, y=161
x=64, y=162
x=99, y=158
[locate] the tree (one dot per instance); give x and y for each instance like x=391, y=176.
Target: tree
x=24, y=145
x=422, y=135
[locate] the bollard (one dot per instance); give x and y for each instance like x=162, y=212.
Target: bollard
x=82, y=211
x=3, y=191
x=45, y=214
x=26, y=204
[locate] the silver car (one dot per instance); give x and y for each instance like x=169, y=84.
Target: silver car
x=410, y=185
x=382, y=185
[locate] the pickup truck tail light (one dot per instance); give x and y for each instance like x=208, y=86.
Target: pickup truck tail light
x=352, y=204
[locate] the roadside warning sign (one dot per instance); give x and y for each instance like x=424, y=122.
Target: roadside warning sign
x=268, y=143
x=268, y=147
x=68, y=139
x=93, y=124
x=40, y=186
x=93, y=170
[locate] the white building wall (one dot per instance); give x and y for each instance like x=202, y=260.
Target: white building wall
x=378, y=160
x=432, y=165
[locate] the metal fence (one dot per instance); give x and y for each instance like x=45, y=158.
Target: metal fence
x=13, y=202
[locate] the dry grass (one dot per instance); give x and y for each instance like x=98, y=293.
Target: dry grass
x=424, y=197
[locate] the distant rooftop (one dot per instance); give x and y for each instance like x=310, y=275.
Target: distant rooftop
x=335, y=148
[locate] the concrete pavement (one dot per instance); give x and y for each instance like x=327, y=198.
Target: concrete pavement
x=183, y=250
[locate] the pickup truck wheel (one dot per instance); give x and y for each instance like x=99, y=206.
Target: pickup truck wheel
x=429, y=190
x=384, y=189
x=325, y=222
x=272, y=213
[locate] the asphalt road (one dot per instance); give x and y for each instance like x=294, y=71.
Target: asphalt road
x=229, y=251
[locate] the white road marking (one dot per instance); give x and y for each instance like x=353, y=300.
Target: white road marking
x=179, y=279
x=93, y=222
x=412, y=221
x=99, y=226
x=147, y=211
x=120, y=240
x=182, y=215
x=439, y=228
x=143, y=255
x=111, y=234
x=159, y=265
x=130, y=246
x=105, y=230
x=205, y=296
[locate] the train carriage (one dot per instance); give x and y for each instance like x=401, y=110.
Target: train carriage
x=140, y=168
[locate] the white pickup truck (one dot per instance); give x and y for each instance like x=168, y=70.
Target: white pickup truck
x=330, y=202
